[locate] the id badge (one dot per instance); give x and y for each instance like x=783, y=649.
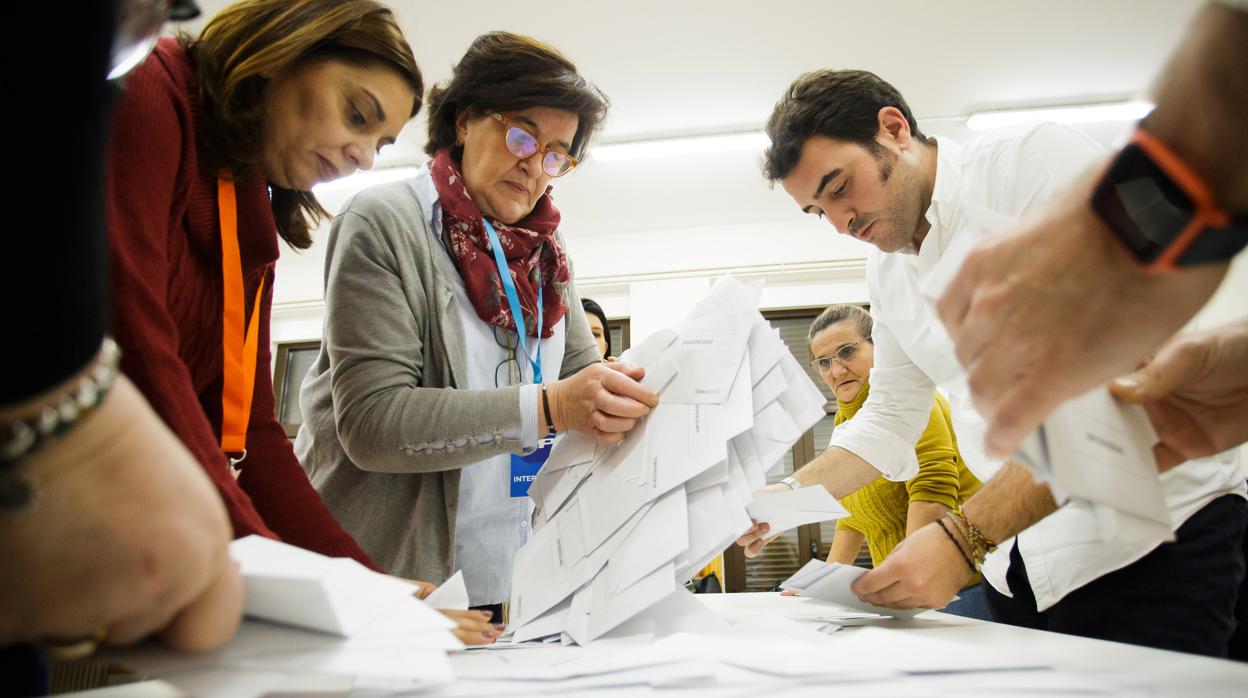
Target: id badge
x=524, y=469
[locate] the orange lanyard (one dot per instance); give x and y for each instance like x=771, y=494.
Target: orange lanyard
x=240, y=345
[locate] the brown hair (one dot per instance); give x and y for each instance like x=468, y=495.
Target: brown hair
x=508, y=72
x=254, y=38
x=839, y=104
x=842, y=312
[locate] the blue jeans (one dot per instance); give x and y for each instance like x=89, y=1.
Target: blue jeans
x=972, y=604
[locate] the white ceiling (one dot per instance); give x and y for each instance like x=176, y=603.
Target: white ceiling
x=674, y=67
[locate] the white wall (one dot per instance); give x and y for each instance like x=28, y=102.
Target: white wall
x=802, y=260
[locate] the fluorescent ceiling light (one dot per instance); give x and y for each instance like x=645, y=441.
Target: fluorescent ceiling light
x=687, y=145
x=1081, y=114
x=369, y=178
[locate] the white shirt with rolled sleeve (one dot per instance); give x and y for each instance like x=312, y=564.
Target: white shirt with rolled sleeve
x=985, y=186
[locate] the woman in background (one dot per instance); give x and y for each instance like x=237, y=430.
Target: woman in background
x=885, y=512
x=598, y=327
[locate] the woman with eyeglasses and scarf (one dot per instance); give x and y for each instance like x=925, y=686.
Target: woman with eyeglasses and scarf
x=449, y=352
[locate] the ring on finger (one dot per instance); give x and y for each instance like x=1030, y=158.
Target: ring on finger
x=76, y=648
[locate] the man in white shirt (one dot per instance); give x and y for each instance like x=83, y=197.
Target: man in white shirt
x=846, y=147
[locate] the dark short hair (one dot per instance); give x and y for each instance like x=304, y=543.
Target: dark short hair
x=842, y=312
x=252, y=39
x=839, y=104
x=508, y=72
x=591, y=306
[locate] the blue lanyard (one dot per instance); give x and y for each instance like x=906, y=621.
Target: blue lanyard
x=513, y=301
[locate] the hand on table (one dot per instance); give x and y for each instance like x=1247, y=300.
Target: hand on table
x=126, y=537
x=1056, y=309
x=924, y=571
x=1195, y=391
x=474, y=627
x=604, y=400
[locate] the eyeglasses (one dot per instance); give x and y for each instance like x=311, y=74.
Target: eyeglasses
x=843, y=356
x=507, y=372
x=523, y=144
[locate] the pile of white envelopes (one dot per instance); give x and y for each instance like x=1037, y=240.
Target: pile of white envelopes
x=618, y=529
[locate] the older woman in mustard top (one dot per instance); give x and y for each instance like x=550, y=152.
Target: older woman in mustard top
x=885, y=512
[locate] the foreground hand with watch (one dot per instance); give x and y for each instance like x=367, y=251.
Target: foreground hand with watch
x=1088, y=292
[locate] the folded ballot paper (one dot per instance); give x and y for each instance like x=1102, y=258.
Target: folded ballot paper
x=618, y=529
x=783, y=510
x=1097, y=450
x=830, y=582
x=310, y=614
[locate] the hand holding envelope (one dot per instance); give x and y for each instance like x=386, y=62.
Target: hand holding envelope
x=830, y=583
x=1096, y=449
x=786, y=508
x=605, y=400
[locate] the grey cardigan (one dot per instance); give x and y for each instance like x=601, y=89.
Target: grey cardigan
x=386, y=428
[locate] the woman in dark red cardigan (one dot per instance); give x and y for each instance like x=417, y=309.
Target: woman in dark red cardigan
x=274, y=96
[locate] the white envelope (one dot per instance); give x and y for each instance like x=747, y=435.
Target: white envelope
x=549, y=623
x=298, y=587
x=1095, y=449
x=706, y=356
x=451, y=595
x=647, y=352
x=608, y=609
x=661, y=536
x=771, y=386
x=830, y=582
x=765, y=348
x=787, y=509
x=773, y=434
x=713, y=526
x=755, y=470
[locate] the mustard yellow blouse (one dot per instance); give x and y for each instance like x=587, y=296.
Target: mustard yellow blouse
x=878, y=511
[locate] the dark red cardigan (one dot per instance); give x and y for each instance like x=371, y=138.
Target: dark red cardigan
x=165, y=252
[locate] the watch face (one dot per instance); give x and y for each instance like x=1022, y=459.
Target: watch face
x=1138, y=200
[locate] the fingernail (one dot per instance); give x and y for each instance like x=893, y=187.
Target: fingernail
x=486, y=614
x=500, y=627
x=1127, y=382
x=489, y=634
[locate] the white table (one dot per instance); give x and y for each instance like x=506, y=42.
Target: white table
x=1134, y=670
x=1080, y=666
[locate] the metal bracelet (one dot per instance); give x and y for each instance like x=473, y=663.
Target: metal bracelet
x=24, y=436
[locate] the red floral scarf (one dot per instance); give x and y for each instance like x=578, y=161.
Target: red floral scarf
x=529, y=246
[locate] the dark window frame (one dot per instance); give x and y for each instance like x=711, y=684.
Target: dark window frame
x=281, y=390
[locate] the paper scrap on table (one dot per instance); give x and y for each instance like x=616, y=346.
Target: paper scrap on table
x=787, y=509
x=451, y=595
x=830, y=582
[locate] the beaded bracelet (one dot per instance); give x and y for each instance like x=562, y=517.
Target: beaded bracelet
x=23, y=436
